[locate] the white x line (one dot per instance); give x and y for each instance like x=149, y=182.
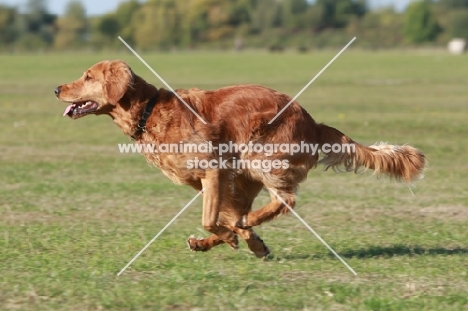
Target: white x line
x=162, y=80
x=311, y=81
x=162, y=230
x=313, y=231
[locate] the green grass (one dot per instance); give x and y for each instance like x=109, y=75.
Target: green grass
x=73, y=211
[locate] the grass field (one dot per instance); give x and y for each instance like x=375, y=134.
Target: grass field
x=74, y=211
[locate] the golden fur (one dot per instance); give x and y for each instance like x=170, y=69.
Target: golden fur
x=239, y=114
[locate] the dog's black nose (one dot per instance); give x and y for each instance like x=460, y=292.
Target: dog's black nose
x=57, y=90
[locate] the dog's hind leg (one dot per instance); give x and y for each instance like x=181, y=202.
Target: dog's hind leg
x=215, y=186
x=205, y=244
x=222, y=207
x=234, y=203
x=243, y=193
x=254, y=242
x=276, y=207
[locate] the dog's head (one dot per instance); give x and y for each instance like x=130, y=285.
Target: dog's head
x=98, y=91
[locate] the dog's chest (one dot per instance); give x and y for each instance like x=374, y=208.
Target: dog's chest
x=174, y=166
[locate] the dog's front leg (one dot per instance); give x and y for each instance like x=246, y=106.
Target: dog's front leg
x=215, y=184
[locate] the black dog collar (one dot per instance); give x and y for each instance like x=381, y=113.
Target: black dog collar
x=141, y=126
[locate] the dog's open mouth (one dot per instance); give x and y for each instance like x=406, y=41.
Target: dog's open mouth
x=80, y=109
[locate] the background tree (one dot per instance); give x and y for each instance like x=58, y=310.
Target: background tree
x=454, y=4
x=164, y=24
x=346, y=10
x=157, y=24
x=213, y=20
x=35, y=26
x=337, y=13
x=378, y=29
x=104, y=31
x=37, y=16
x=294, y=13
x=459, y=24
x=109, y=26
x=420, y=23
x=265, y=14
x=8, y=31
x=72, y=27
x=106, y=28
x=124, y=14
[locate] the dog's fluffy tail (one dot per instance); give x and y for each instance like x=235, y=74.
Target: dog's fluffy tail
x=341, y=153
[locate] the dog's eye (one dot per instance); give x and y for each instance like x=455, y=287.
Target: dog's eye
x=88, y=77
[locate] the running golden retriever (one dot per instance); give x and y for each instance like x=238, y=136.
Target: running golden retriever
x=233, y=115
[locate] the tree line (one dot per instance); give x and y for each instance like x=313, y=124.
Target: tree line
x=190, y=24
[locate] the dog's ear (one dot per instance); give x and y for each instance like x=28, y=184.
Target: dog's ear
x=118, y=78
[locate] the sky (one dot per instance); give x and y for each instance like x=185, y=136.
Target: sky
x=97, y=7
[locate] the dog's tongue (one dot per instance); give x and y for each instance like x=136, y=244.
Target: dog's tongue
x=67, y=110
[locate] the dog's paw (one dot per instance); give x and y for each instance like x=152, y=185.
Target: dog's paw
x=194, y=244
x=242, y=223
x=234, y=244
x=257, y=246
x=263, y=255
